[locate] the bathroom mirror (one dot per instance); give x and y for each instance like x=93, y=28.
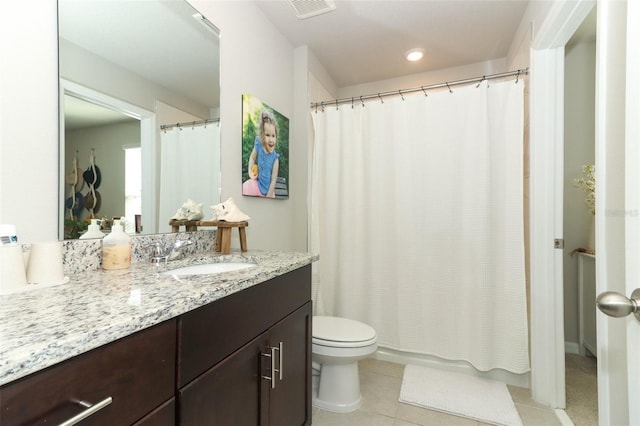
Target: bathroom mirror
x=127, y=68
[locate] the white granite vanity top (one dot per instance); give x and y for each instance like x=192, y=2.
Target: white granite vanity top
x=40, y=328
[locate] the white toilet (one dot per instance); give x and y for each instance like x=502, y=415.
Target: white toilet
x=337, y=346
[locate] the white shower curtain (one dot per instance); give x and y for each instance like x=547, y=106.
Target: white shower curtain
x=417, y=214
x=189, y=168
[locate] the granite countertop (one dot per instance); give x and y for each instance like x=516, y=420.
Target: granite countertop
x=40, y=328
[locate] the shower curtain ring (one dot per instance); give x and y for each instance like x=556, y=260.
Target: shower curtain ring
x=381, y=101
x=336, y=104
x=424, y=91
x=362, y=101
x=450, y=91
x=518, y=77
x=351, y=103
x=484, y=77
x=400, y=92
x=322, y=106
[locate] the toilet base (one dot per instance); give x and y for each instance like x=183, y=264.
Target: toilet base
x=338, y=389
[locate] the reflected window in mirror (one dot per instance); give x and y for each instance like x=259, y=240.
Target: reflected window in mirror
x=133, y=189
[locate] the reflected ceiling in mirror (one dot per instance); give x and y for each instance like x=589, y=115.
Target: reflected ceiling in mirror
x=150, y=56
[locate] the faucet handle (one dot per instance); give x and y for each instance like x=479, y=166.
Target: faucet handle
x=156, y=248
x=176, y=249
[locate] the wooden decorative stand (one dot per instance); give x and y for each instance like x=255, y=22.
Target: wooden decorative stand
x=223, y=234
x=190, y=225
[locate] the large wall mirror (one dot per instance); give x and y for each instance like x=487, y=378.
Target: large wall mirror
x=139, y=112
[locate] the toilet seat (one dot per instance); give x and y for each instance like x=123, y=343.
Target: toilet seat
x=334, y=344
x=342, y=333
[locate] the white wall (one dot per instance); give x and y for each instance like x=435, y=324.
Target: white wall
x=255, y=58
x=579, y=150
x=424, y=79
x=89, y=70
x=321, y=84
x=29, y=118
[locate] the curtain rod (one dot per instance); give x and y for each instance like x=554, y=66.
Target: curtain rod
x=401, y=92
x=190, y=123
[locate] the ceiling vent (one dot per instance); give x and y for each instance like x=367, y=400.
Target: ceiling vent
x=308, y=8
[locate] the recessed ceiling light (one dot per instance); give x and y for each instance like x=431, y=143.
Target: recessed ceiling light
x=414, y=55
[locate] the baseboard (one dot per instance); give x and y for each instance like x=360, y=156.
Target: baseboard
x=571, y=348
x=399, y=357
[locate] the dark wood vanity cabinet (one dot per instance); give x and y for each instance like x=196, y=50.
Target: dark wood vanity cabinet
x=254, y=369
x=247, y=387
x=137, y=372
x=290, y=397
x=210, y=366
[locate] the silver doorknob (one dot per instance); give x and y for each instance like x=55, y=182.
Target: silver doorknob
x=617, y=305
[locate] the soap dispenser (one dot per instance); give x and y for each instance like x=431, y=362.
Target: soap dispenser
x=93, y=231
x=116, y=248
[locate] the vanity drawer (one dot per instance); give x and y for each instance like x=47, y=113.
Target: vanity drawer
x=137, y=372
x=209, y=334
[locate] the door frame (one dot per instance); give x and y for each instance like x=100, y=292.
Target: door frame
x=546, y=195
x=148, y=138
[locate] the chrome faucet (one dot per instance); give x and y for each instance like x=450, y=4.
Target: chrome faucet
x=164, y=254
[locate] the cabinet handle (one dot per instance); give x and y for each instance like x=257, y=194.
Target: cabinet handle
x=273, y=367
x=274, y=370
x=90, y=410
x=281, y=355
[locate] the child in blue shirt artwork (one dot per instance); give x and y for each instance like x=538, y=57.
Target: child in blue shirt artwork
x=264, y=160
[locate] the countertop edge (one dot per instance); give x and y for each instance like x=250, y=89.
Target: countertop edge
x=38, y=356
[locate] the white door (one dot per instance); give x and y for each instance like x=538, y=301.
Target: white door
x=618, y=206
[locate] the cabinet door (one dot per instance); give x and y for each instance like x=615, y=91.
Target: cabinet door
x=213, y=332
x=232, y=392
x=137, y=372
x=290, y=400
x=164, y=415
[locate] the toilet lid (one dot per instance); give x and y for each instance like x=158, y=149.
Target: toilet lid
x=341, y=330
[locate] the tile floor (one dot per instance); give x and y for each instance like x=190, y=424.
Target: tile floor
x=582, y=389
x=380, y=383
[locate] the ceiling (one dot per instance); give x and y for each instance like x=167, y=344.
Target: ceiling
x=360, y=41
x=363, y=41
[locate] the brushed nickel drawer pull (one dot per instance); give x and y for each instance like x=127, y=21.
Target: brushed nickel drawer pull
x=90, y=410
x=273, y=368
x=273, y=361
x=281, y=356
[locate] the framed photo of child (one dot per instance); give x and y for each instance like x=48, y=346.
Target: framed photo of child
x=265, y=150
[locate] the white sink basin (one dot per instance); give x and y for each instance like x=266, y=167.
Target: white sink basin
x=209, y=268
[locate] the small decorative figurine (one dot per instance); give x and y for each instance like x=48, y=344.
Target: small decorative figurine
x=229, y=212
x=190, y=210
